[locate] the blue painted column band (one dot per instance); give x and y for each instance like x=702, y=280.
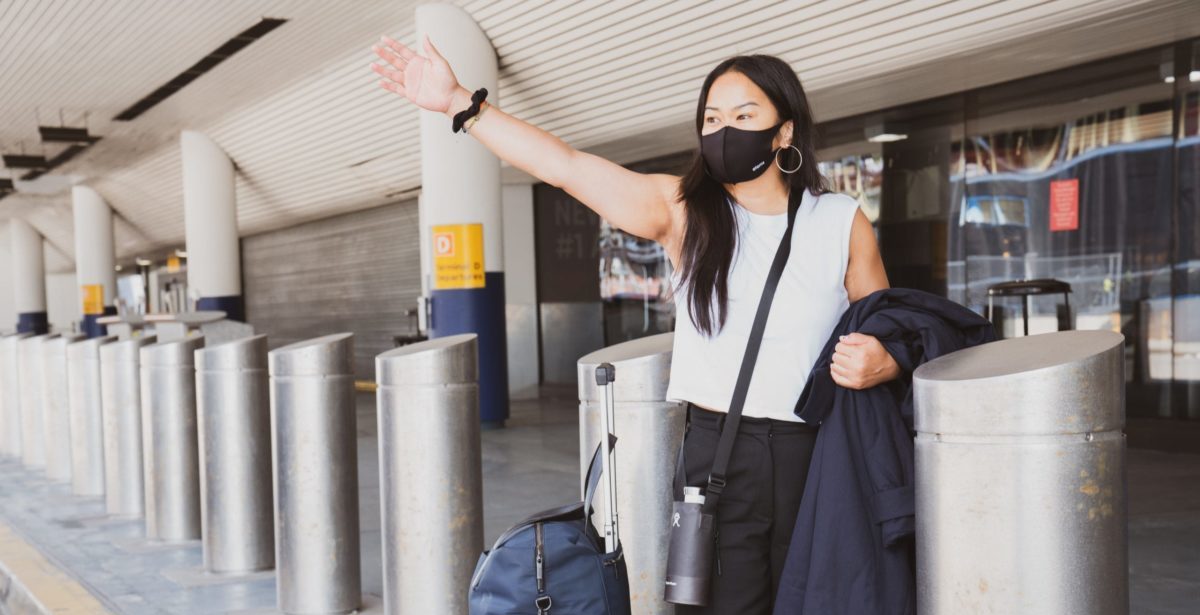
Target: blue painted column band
x=91, y=328
x=33, y=322
x=233, y=306
x=480, y=311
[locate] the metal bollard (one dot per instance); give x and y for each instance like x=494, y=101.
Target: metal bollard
x=234, y=410
x=170, y=441
x=120, y=400
x=56, y=406
x=33, y=440
x=430, y=473
x=86, y=416
x=1020, y=477
x=10, y=395
x=649, y=431
x=315, y=450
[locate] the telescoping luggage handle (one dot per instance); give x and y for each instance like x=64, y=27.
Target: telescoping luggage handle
x=605, y=375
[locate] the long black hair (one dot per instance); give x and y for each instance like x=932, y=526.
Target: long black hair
x=710, y=237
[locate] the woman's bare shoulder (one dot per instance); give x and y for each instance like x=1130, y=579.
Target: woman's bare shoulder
x=668, y=185
x=838, y=200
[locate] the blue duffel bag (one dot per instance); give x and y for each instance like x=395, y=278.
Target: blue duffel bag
x=553, y=563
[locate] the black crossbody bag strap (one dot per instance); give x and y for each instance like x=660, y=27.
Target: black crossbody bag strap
x=716, y=478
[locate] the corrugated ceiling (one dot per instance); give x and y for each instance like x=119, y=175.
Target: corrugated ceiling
x=313, y=136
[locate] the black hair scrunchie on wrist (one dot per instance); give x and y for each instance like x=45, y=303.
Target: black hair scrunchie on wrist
x=462, y=116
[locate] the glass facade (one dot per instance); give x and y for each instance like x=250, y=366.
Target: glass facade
x=1185, y=257
x=1087, y=175
x=859, y=175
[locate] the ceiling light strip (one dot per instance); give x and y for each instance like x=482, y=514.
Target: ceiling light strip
x=207, y=63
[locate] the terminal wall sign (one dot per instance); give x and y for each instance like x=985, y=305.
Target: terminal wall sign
x=93, y=299
x=458, y=256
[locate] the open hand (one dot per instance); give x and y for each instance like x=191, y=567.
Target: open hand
x=425, y=80
x=861, y=362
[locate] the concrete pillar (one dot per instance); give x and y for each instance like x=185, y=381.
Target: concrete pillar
x=95, y=258
x=29, y=277
x=8, y=312
x=460, y=211
x=214, y=257
x=520, y=289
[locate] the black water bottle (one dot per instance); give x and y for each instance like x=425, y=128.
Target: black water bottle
x=690, y=555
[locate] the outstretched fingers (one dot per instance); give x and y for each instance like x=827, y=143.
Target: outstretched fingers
x=399, y=48
x=391, y=57
x=390, y=73
x=393, y=80
x=393, y=87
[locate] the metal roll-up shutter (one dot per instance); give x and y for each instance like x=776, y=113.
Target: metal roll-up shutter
x=358, y=272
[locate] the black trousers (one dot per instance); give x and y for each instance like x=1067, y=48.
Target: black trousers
x=757, y=510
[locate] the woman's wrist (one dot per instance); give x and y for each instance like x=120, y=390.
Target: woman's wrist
x=891, y=370
x=460, y=100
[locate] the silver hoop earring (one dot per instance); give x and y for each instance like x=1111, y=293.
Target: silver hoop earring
x=798, y=153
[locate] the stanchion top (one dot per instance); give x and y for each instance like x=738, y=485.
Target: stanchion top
x=1058, y=383
x=643, y=369
x=125, y=351
x=34, y=342
x=444, y=360
x=173, y=353
x=88, y=348
x=58, y=345
x=247, y=353
x=1019, y=354
x=331, y=355
x=10, y=341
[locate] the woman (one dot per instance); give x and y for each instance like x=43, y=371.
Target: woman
x=720, y=225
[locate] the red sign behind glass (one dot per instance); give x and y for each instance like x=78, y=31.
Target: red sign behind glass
x=1064, y=205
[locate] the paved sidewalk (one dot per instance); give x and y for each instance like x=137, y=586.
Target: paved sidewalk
x=531, y=465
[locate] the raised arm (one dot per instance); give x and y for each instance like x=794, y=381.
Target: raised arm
x=638, y=203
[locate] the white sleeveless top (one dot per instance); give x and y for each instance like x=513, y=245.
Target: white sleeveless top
x=808, y=304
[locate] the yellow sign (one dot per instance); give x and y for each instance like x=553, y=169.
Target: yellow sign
x=93, y=299
x=172, y=264
x=458, y=256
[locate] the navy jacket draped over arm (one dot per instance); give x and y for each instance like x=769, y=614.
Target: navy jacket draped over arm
x=852, y=551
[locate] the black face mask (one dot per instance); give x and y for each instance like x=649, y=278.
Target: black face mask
x=733, y=155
